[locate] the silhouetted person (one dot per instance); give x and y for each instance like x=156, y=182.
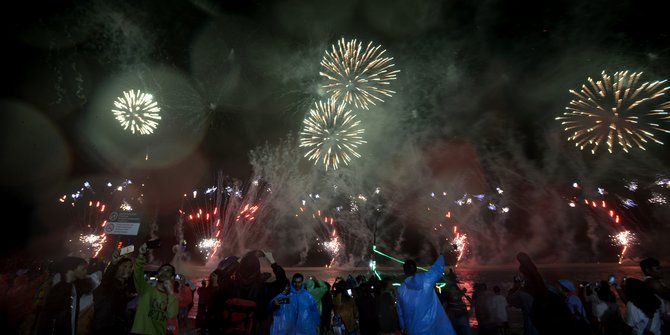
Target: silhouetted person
x=419, y=308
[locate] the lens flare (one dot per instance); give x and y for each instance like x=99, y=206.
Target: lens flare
x=137, y=111
x=619, y=109
x=356, y=76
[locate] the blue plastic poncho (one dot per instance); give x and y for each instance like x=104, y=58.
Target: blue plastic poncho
x=419, y=308
x=308, y=317
x=283, y=317
x=299, y=316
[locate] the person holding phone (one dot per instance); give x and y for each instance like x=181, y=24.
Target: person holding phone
x=283, y=313
x=345, y=310
x=612, y=279
x=156, y=304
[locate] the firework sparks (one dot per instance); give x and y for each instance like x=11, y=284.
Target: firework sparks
x=356, y=76
x=326, y=233
x=657, y=198
x=333, y=247
x=227, y=215
x=459, y=243
x=137, y=111
x=623, y=239
x=88, y=207
x=617, y=107
x=94, y=242
x=331, y=134
x=208, y=246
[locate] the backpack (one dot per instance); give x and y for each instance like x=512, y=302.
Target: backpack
x=239, y=312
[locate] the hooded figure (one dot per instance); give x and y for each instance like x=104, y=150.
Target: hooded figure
x=572, y=300
x=284, y=314
x=228, y=266
x=307, y=318
x=419, y=308
x=249, y=271
x=317, y=289
x=549, y=313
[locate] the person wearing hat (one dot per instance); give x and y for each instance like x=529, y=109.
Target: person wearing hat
x=575, y=304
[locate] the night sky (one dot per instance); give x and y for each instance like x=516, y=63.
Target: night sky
x=479, y=88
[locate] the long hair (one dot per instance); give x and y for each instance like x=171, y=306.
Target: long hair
x=109, y=277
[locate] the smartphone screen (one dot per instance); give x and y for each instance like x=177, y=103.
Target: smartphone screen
x=349, y=291
x=612, y=279
x=126, y=250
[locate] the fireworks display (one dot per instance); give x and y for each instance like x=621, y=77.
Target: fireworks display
x=331, y=135
x=460, y=243
x=322, y=224
x=208, y=246
x=447, y=215
x=223, y=218
x=618, y=211
x=617, y=109
x=357, y=76
x=138, y=111
x=623, y=239
x=88, y=208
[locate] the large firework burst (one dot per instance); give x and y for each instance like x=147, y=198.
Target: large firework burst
x=357, y=76
x=617, y=106
x=331, y=134
x=137, y=111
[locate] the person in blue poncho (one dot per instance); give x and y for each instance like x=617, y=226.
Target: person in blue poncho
x=308, y=319
x=295, y=312
x=419, y=308
x=284, y=314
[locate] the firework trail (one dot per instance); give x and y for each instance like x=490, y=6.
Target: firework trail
x=89, y=208
x=225, y=219
x=614, y=209
x=203, y=220
x=137, y=111
x=331, y=134
x=623, y=239
x=364, y=214
x=356, y=76
x=343, y=196
x=460, y=244
x=617, y=109
x=311, y=213
x=628, y=204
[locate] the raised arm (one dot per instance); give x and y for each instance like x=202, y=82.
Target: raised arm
x=435, y=272
x=138, y=272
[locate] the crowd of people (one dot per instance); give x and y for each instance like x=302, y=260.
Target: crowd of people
x=76, y=296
